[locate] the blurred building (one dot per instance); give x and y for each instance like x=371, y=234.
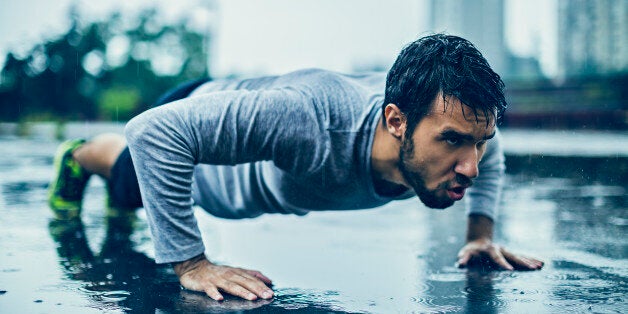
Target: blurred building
x=592, y=37
x=480, y=21
x=592, y=44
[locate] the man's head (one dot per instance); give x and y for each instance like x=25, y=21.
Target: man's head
x=446, y=65
x=442, y=103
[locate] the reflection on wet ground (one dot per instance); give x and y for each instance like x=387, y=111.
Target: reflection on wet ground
x=570, y=212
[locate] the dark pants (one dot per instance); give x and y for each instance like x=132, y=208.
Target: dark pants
x=124, y=191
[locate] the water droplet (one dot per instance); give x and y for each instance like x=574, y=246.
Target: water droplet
x=115, y=296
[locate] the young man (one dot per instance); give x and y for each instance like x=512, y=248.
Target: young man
x=305, y=141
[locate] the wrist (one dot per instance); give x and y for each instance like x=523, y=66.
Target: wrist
x=479, y=228
x=183, y=267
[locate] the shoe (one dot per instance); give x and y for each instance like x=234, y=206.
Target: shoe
x=65, y=194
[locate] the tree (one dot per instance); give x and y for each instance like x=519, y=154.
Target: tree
x=72, y=77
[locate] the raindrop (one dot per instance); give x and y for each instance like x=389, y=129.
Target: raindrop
x=114, y=296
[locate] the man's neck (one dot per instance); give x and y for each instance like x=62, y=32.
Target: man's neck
x=387, y=178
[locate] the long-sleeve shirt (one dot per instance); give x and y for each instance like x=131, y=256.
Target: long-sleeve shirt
x=286, y=144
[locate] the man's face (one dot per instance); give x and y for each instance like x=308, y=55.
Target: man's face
x=441, y=157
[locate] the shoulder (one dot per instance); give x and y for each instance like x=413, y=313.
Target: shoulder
x=325, y=80
x=343, y=99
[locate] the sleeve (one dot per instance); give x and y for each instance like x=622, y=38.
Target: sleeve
x=223, y=128
x=485, y=194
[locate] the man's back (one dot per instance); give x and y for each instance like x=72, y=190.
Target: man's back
x=334, y=152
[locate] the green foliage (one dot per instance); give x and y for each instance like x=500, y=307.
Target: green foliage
x=101, y=70
x=119, y=103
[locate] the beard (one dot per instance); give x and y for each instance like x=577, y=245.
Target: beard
x=415, y=176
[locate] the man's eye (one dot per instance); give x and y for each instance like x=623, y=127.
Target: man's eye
x=452, y=141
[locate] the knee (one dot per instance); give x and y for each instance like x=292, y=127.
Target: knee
x=109, y=140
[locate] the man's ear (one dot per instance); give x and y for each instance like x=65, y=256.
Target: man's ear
x=396, y=122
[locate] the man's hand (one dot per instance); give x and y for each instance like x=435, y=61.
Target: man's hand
x=484, y=250
x=199, y=274
x=481, y=249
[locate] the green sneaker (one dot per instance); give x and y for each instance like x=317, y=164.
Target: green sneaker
x=65, y=194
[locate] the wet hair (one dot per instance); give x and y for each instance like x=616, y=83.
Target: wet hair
x=446, y=65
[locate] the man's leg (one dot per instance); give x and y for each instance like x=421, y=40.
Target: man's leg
x=100, y=154
x=107, y=156
x=76, y=160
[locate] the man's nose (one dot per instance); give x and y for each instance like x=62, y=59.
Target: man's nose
x=468, y=164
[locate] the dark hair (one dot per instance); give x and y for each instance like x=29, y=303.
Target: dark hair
x=447, y=64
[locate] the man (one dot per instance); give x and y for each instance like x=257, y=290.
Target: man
x=306, y=141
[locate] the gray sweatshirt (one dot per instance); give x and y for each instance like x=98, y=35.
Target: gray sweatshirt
x=286, y=144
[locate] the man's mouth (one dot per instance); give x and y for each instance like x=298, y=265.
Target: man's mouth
x=456, y=193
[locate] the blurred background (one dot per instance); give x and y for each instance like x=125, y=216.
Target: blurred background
x=77, y=68
x=565, y=62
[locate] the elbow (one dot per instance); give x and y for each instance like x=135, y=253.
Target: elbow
x=142, y=124
x=135, y=129
x=155, y=129
x=132, y=131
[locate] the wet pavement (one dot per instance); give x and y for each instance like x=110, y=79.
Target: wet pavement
x=570, y=211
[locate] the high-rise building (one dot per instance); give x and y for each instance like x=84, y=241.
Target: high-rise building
x=593, y=37
x=480, y=21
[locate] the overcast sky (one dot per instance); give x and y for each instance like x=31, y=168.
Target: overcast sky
x=275, y=36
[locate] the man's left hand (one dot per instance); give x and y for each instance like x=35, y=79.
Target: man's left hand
x=484, y=250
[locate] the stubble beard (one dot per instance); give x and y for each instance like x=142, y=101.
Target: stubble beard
x=415, y=176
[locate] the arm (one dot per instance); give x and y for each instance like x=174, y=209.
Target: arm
x=220, y=128
x=484, y=196
x=482, y=210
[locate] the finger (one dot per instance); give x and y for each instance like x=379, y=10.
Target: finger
x=237, y=290
x=531, y=263
x=499, y=259
x=213, y=293
x=259, y=275
x=463, y=259
x=253, y=284
x=518, y=261
x=539, y=263
x=522, y=261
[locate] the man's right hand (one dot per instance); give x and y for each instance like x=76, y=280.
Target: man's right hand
x=199, y=274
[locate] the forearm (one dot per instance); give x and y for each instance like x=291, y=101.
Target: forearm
x=484, y=196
